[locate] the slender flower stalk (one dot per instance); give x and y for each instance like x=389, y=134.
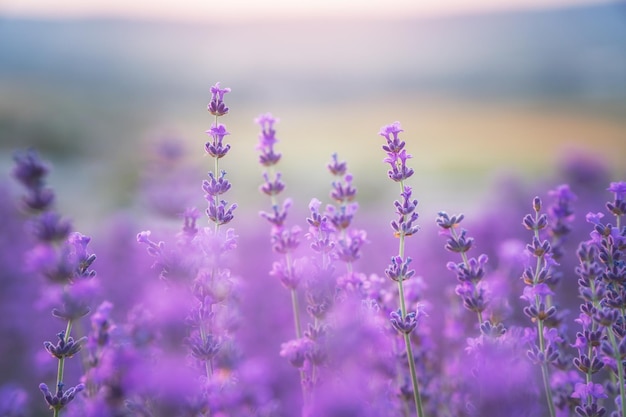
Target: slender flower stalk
x=610, y=242
x=349, y=240
x=536, y=294
x=284, y=240
x=218, y=212
x=403, y=320
x=63, y=259
x=470, y=271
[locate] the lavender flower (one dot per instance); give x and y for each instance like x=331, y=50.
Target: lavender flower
x=403, y=227
x=602, y=281
x=217, y=107
x=284, y=240
x=470, y=271
x=539, y=279
x=31, y=171
x=62, y=397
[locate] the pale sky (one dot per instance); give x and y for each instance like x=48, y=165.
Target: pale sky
x=252, y=9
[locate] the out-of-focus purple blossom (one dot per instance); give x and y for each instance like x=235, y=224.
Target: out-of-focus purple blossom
x=335, y=167
x=560, y=215
x=75, y=300
x=272, y=187
x=101, y=326
x=286, y=240
x=190, y=217
x=531, y=293
x=619, y=189
x=217, y=243
x=204, y=349
x=296, y=351
x=279, y=213
x=583, y=391
x=341, y=217
x=13, y=401
x=290, y=276
x=349, y=248
x=79, y=255
x=31, y=171
x=50, y=227
x=267, y=140
x=618, y=206
x=343, y=191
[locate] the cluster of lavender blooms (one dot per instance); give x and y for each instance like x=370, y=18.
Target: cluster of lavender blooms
x=298, y=321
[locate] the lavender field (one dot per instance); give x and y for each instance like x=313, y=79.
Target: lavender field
x=332, y=235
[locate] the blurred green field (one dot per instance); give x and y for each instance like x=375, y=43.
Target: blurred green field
x=481, y=98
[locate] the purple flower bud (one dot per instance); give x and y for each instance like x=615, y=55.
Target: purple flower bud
x=279, y=214
x=204, y=348
x=296, y=351
x=272, y=187
x=399, y=270
x=404, y=325
x=29, y=169
x=286, y=240
x=267, y=140
x=61, y=398
x=335, y=167
x=49, y=227
x=216, y=106
x=390, y=133
x=446, y=222
x=219, y=213
x=63, y=348
x=216, y=186
x=343, y=192
x=583, y=391
x=619, y=189
x=537, y=204
x=397, y=161
x=216, y=148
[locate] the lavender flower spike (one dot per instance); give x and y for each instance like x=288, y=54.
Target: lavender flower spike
x=404, y=322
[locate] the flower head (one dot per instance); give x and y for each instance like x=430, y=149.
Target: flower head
x=619, y=189
x=216, y=106
x=216, y=148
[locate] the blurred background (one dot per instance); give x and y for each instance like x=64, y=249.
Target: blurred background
x=500, y=101
x=113, y=92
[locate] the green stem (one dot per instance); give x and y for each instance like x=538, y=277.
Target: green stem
x=416, y=391
x=545, y=372
x=620, y=369
x=466, y=262
x=61, y=366
x=296, y=316
x=407, y=340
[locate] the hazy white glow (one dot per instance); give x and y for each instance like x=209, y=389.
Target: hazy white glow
x=263, y=9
